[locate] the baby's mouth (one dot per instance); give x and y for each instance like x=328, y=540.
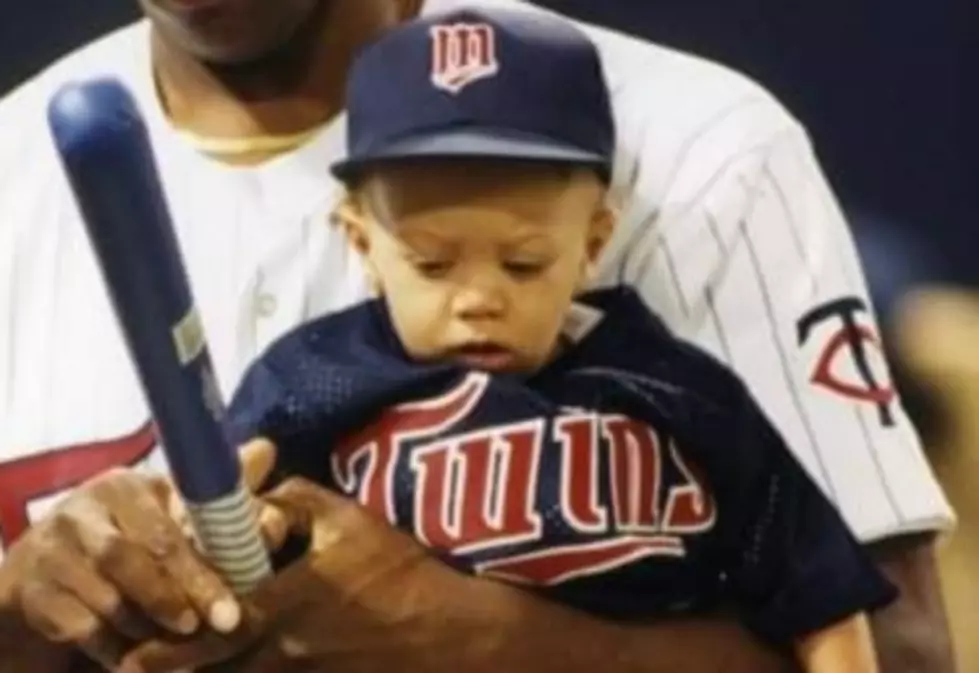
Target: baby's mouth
x=485, y=356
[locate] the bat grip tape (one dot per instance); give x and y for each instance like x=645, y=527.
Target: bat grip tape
x=229, y=534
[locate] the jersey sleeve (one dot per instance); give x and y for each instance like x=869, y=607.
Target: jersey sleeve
x=795, y=567
x=748, y=255
x=323, y=381
x=257, y=405
x=299, y=401
x=300, y=395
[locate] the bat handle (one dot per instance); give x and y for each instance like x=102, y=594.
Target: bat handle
x=229, y=533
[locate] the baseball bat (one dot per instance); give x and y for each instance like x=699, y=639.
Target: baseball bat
x=106, y=153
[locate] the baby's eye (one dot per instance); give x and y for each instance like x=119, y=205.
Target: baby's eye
x=432, y=268
x=524, y=269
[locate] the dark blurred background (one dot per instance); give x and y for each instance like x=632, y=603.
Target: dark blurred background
x=882, y=86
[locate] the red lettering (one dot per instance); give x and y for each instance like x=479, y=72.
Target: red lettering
x=462, y=53
x=441, y=45
x=635, y=474
x=479, y=490
x=577, y=436
x=482, y=45
x=690, y=508
x=366, y=462
x=554, y=565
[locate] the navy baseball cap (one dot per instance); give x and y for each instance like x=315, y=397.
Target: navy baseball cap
x=479, y=83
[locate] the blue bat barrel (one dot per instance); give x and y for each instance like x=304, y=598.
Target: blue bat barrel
x=106, y=153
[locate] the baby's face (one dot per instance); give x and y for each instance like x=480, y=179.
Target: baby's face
x=479, y=263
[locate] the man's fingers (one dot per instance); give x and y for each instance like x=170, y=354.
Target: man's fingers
x=143, y=579
x=135, y=571
x=129, y=547
x=161, y=488
x=257, y=462
x=189, y=582
x=105, y=648
x=62, y=618
x=289, y=653
x=303, y=504
x=158, y=656
x=79, y=578
x=57, y=615
x=209, y=595
x=177, y=509
x=204, y=649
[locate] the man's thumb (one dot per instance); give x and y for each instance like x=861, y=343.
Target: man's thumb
x=306, y=508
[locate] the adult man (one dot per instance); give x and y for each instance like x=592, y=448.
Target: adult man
x=729, y=232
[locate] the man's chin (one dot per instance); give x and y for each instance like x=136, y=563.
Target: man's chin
x=226, y=34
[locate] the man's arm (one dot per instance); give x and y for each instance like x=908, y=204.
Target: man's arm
x=749, y=255
x=844, y=647
x=912, y=634
x=368, y=597
x=545, y=638
x=528, y=634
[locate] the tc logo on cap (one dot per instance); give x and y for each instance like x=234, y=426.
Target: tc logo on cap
x=462, y=53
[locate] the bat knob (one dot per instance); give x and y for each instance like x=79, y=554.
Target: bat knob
x=89, y=118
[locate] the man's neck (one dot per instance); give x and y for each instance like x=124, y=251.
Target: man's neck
x=288, y=92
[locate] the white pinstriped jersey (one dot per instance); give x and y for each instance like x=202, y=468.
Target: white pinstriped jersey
x=728, y=230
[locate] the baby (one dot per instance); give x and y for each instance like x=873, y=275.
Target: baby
x=518, y=426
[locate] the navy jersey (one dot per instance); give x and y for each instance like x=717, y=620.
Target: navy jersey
x=634, y=477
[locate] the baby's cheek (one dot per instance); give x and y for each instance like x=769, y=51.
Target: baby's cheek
x=543, y=329
x=422, y=331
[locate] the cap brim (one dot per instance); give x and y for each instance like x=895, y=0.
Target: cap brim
x=473, y=143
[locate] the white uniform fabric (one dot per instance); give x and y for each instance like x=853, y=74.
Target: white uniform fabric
x=729, y=231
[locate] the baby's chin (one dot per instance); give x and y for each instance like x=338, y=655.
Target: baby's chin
x=492, y=358
x=495, y=359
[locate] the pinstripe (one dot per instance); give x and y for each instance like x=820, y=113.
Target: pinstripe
x=793, y=225
x=875, y=457
x=674, y=276
x=715, y=232
x=784, y=360
x=854, y=284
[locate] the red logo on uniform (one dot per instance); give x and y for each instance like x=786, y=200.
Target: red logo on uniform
x=25, y=480
x=462, y=53
x=480, y=491
x=854, y=339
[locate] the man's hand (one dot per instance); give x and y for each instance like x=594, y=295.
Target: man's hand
x=354, y=596
x=368, y=598
x=110, y=566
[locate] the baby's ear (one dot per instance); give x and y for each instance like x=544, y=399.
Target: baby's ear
x=599, y=233
x=349, y=216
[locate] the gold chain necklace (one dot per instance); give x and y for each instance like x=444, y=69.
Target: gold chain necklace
x=266, y=144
